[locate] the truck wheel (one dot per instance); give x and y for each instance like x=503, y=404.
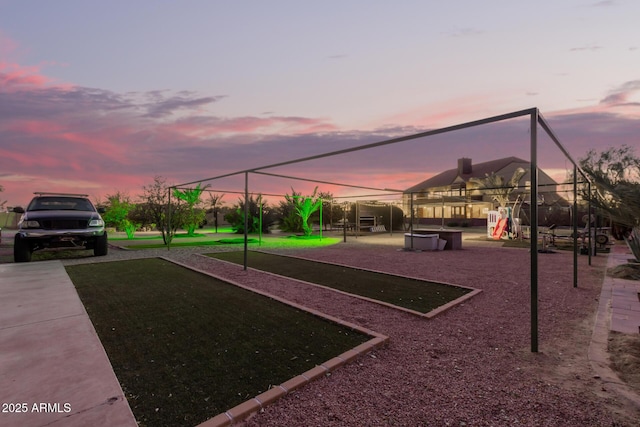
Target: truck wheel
x=21, y=250
x=101, y=248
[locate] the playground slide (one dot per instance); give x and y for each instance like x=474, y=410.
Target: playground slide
x=501, y=225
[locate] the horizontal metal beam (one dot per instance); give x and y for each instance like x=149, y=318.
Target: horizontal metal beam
x=542, y=122
x=391, y=190
x=433, y=132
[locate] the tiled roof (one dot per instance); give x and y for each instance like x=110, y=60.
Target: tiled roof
x=505, y=166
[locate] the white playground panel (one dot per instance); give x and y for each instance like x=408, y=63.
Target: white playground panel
x=498, y=224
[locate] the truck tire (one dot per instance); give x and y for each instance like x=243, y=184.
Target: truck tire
x=101, y=247
x=21, y=250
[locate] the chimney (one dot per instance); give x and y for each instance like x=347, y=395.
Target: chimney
x=464, y=166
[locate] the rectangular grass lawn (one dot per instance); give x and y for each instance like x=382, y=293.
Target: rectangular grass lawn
x=186, y=347
x=418, y=295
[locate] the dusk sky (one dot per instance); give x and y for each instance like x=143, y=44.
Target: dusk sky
x=101, y=96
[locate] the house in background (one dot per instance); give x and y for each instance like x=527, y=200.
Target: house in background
x=455, y=195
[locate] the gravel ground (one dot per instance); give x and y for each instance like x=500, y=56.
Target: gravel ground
x=471, y=366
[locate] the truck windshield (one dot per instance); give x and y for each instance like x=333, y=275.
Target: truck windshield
x=60, y=203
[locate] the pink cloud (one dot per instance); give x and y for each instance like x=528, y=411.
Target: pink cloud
x=622, y=96
x=58, y=135
x=102, y=143
x=207, y=127
x=16, y=77
x=33, y=127
x=26, y=159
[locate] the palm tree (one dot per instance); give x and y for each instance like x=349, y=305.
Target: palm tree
x=305, y=206
x=192, y=197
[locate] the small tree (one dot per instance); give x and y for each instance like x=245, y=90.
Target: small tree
x=305, y=206
x=139, y=214
x=117, y=214
x=289, y=218
x=615, y=174
x=236, y=216
x=155, y=201
x=194, y=217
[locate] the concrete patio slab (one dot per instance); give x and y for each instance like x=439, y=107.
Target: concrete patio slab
x=53, y=368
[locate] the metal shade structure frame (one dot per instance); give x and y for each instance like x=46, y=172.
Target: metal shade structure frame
x=536, y=120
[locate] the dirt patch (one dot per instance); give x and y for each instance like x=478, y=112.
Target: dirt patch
x=624, y=351
x=629, y=271
x=565, y=361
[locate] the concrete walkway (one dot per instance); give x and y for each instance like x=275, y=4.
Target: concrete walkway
x=53, y=368
x=625, y=295
x=618, y=310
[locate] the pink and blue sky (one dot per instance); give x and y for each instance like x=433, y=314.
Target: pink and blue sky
x=99, y=97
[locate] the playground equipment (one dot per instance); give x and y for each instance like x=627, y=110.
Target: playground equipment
x=548, y=240
x=501, y=224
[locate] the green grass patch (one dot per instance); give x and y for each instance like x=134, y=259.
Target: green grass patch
x=218, y=242
x=267, y=242
x=237, y=241
x=186, y=347
x=158, y=237
x=173, y=245
x=227, y=230
x=305, y=238
x=418, y=295
x=185, y=235
x=202, y=233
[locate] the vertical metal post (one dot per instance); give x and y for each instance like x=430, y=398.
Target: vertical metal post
x=442, y=225
x=357, y=219
x=344, y=222
x=260, y=224
x=390, y=219
x=592, y=235
x=589, y=223
x=534, y=230
x=575, y=226
x=411, y=223
x=246, y=218
x=322, y=201
x=168, y=236
x=331, y=214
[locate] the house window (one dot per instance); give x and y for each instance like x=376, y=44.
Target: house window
x=458, y=212
x=429, y=213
